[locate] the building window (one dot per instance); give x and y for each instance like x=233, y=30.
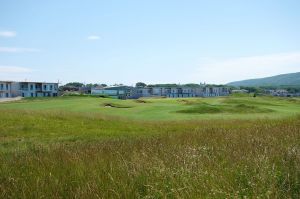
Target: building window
x=1, y=87
x=45, y=87
x=31, y=87
x=7, y=95
x=6, y=86
x=51, y=87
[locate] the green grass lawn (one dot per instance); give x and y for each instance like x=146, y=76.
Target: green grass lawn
x=167, y=109
x=88, y=147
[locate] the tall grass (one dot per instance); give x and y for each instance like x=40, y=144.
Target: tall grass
x=64, y=155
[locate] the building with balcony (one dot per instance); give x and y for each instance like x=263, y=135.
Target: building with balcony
x=5, y=89
x=28, y=89
x=34, y=89
x=177, y=91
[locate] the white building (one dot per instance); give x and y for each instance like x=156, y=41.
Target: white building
x=28, y=89
x=207, y=91
x=35, y=89
x=144, y=92
x=182, y=92
x=5, y=89
x=125, y=92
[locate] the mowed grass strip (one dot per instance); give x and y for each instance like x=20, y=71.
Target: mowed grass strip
x=52, y=154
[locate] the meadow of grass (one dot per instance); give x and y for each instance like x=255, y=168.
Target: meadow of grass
x=78, y=147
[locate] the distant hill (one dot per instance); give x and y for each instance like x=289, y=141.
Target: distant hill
x=291, y=79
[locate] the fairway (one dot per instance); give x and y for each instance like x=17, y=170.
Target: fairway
x=91, y=147
x=166, y=108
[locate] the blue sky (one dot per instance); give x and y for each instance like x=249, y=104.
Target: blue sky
x=157, y=41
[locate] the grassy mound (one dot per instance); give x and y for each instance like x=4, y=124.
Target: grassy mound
x=250, y=102
x=203, y=108
x=244, y=108
x=223, y=108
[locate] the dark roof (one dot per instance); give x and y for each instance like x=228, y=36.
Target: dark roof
x=40, y=82
x=118, y=88
x=6, y=81
x=98, y=87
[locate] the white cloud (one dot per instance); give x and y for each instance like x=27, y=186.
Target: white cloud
x=17, y=50
x=93, y=37
x=239, y=68
x=14, y=69
x=8, y=33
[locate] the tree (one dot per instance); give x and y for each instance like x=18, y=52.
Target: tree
x=91, y=85
x=71, y=86
x=140, y=85
x=74, y=84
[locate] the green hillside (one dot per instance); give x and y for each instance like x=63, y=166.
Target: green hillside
x=291, y=79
